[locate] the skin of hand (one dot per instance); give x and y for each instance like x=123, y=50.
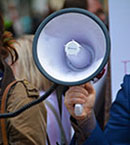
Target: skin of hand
x=83, y=94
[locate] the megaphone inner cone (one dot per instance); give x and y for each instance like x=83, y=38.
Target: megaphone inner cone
x=78, y=56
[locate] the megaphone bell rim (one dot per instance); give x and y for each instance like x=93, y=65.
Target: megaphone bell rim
x=48, y=19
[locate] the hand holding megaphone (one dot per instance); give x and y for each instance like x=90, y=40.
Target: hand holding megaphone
x=74, y=51
x=80, y=96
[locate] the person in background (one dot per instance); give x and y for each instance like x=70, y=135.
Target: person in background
x=15, y=18
x=58, y=118
x=29, y=127
x=94, y=6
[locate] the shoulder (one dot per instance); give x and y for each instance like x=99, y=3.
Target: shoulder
x=121, y=106
x=20, y=94
x=126, y=85
x=30, y=89
x=124, y=92
x=24, y=85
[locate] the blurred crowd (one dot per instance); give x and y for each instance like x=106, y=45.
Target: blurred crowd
x=23, y=17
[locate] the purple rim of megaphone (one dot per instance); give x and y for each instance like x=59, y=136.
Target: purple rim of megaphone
x=60, y=12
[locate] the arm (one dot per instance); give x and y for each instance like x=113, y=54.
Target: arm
x=28, y=127
x=87, y=131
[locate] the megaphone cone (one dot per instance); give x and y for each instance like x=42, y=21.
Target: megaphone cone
x=71, y=46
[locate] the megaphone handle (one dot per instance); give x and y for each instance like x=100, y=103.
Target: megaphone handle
x=78, y=109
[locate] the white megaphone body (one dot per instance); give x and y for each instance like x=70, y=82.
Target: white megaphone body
x=71, y=47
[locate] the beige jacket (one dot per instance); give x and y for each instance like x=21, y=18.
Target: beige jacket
x=29, y=127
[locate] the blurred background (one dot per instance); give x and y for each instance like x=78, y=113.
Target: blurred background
x=24, y=16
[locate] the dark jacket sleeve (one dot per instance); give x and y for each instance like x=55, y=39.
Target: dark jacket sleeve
x=117, y=131
x=96, y=138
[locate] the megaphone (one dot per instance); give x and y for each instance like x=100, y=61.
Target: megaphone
x=71, y=46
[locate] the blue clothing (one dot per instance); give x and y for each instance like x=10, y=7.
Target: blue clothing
x=117, y=131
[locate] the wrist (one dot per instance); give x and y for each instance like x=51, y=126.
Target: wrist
x=83, y=128
x=89, y=122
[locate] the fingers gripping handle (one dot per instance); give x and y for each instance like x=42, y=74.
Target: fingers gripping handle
x=78, y=109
